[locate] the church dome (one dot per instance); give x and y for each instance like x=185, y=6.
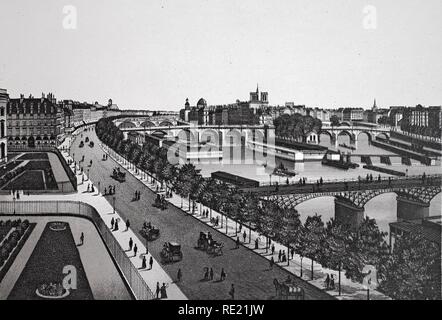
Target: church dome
x=201, y=103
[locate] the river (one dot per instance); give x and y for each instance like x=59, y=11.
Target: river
x=382, y=208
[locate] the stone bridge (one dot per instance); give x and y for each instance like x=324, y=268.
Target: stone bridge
x=353, y=132
x=414, y=195
x=146, y=121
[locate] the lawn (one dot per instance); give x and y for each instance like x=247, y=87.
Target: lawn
x=53, y=251
x=32, y=178
x=29, y=180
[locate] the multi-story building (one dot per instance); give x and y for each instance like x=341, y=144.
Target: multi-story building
x=4, y=98
x=239, y=113
x=353, y=114
x=33, y=122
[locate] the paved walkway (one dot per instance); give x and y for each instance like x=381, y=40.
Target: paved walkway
x=349, y=289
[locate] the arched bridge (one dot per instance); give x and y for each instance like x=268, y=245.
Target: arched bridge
x=414, y=195
x=353, y=132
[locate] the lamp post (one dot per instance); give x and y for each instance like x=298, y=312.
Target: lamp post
x=270, y=175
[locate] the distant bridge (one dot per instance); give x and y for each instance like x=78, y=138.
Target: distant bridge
x=353, y=132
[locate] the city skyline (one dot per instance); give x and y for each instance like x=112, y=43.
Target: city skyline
x=155, y=55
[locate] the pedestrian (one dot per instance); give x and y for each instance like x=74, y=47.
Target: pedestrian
x=244, y=236
x=223, y=275
x=150, y=263
x=179, y=275
x=211, y=274
x=135, y=250
x=92, y=188
x=82, y=238
x=88, y=188
x=131, y=243
x=112, y=223
x=279, y=256
x=116, y=224
x=292, y=252
x=256, y=243
x=273, y=249
x=237, y=242
x=332, y=283
x=143, y=263
x=232, y=292
x=206, y=273
x=272, y=262
x=105, y=191
x=157, y=291
x=127, y=224
x=163, y=291
x=327, y=282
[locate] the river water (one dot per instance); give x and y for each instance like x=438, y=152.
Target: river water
x=382, y=208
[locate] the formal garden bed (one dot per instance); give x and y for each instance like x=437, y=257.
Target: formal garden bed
x=30, y=177
x=13, y=235
x=43, y=275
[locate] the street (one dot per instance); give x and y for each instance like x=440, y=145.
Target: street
x=245, y=269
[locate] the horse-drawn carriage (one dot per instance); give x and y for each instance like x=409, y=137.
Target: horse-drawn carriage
x=118, y=175
x=150, y=232
x=160, y=202
x=171, y=252
x=81, y=144
x=287, y=290
x=86, y=140
x=206, y=243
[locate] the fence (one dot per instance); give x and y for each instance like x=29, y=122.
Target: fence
x=75, y=208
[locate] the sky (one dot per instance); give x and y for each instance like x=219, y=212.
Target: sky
x=155, y=54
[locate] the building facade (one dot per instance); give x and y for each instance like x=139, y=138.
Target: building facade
x=33, y=122
x=4, y=98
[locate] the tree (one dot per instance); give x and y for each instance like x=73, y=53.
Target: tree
x=412, y=271
x=335, y=246
x=296, y=126
x=367, y=248
x=334, y=121
x=290, y=227
x=314, y=233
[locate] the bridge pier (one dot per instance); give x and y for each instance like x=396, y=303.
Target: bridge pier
x=411, y=209
x=348, y=213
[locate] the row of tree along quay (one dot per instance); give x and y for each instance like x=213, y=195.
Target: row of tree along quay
x=410, y=271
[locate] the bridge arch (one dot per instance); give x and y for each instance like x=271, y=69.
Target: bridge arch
x=147, y=123
x=367, y=133
x=126, y=125
x=351, y=136
x=186, y=135
x=165, y=123
x=210, y=136
x=233, y=137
